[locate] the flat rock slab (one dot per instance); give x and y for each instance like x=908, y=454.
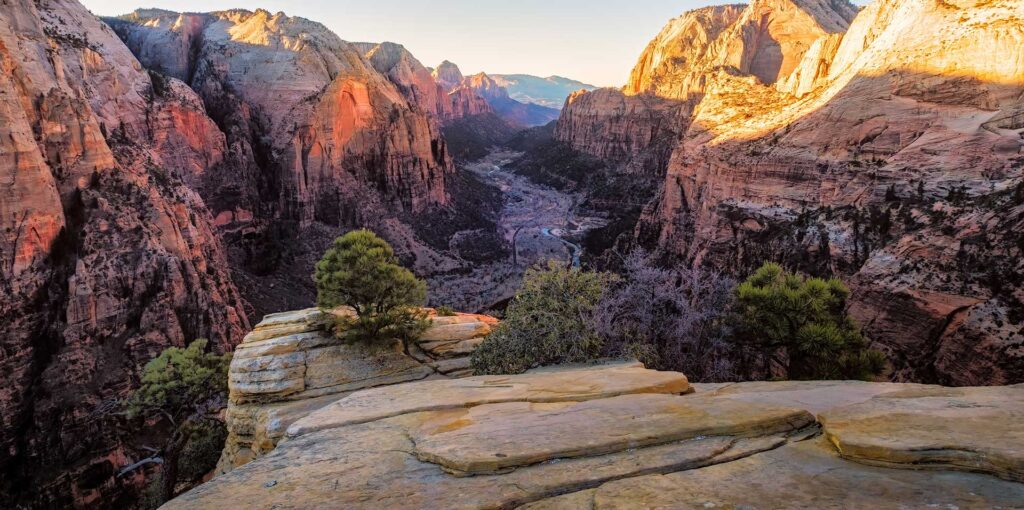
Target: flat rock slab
x=495, y=437
x=813, y=396
x=971, y=429
x=801, y=475
x=375, y=466
x=546, y=385
x=450, y=332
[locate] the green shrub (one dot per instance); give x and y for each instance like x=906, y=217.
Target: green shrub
x=179, y=380
x=187, y=388
x=548, y=322
x=360, y=271
x=805, y=319
x=445, y=311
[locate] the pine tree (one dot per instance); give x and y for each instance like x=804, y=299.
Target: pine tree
x=360, y=271
x=549, y=322
x=806, y=319
x=187, y=388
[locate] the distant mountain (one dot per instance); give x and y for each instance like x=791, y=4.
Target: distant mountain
x=515, y=112
x=550, y=92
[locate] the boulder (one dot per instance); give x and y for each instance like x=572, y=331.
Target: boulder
x=970, y=429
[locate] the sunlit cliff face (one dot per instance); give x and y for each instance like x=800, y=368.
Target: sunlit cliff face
x=718, y=57
x=842, y=163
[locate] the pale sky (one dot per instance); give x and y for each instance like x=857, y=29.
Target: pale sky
x=594, y=41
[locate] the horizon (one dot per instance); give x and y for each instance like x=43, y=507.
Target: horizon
x=599, y=47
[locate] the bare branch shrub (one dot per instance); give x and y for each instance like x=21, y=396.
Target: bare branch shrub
x=670, y=319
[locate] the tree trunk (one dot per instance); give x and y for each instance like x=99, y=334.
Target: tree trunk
x=170, y=466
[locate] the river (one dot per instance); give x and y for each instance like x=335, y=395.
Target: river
x=538, y=223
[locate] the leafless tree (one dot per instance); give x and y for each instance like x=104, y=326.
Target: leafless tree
x=671, y=319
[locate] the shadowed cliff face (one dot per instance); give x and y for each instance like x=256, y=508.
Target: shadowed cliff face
x=323, y=136
x=107, y=257
x=890, y=155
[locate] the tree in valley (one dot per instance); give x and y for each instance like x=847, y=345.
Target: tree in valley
x=802, y=325
x=360, y=271
x=187, y=387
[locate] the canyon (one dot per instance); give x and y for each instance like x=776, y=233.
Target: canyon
x=840, y=142
x=174, y=176
x=170, y=176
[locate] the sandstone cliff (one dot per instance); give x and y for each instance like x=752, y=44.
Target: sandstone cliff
x=445, y=99
x=291, y=364
x=888, y=153
x=466, y=93
x=107, y=256
x=323, y=136
x=622, y=436
x=514, y=112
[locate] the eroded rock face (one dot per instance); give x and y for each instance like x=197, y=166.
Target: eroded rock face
x=888, y=153
x=617, y=436
x=466, y=94
x=107, y=256
x=638, y=132
x=322, y=135
x=291, y=364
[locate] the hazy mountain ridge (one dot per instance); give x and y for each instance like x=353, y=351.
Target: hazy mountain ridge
x=550, y=92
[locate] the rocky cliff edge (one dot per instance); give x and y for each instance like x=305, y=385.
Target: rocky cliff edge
x=621, y=436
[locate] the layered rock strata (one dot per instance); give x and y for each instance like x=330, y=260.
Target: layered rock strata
x=107, y=256
x=885, y=150
x=291, y=365
x=323, y=136
x=623, y=436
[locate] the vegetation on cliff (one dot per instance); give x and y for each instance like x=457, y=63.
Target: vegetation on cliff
x=360, y=271
x=805, y=319
x=774, y=324
x=186, y=388
x=548, y=322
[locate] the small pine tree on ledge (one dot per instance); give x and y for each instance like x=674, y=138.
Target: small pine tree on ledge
x=360, y=271
x=806, y=318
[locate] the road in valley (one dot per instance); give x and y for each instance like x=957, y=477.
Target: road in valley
x=537, y=222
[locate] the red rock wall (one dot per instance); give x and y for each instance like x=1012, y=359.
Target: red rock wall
x=107, y=257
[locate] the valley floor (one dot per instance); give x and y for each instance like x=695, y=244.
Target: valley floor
x=538, y=223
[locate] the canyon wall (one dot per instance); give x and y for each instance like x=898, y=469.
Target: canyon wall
x=107, y=255
x=887, y=152
x=323, y=135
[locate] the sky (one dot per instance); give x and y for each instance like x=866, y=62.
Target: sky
x=594, y=41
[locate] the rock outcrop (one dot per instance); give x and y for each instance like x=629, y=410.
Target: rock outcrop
x=291, y=365
x=622, y=436
x=442, y=93
x=107, y=256
x=887, y=153
x=514, y=112
x=448, y=75
x=466, y=93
